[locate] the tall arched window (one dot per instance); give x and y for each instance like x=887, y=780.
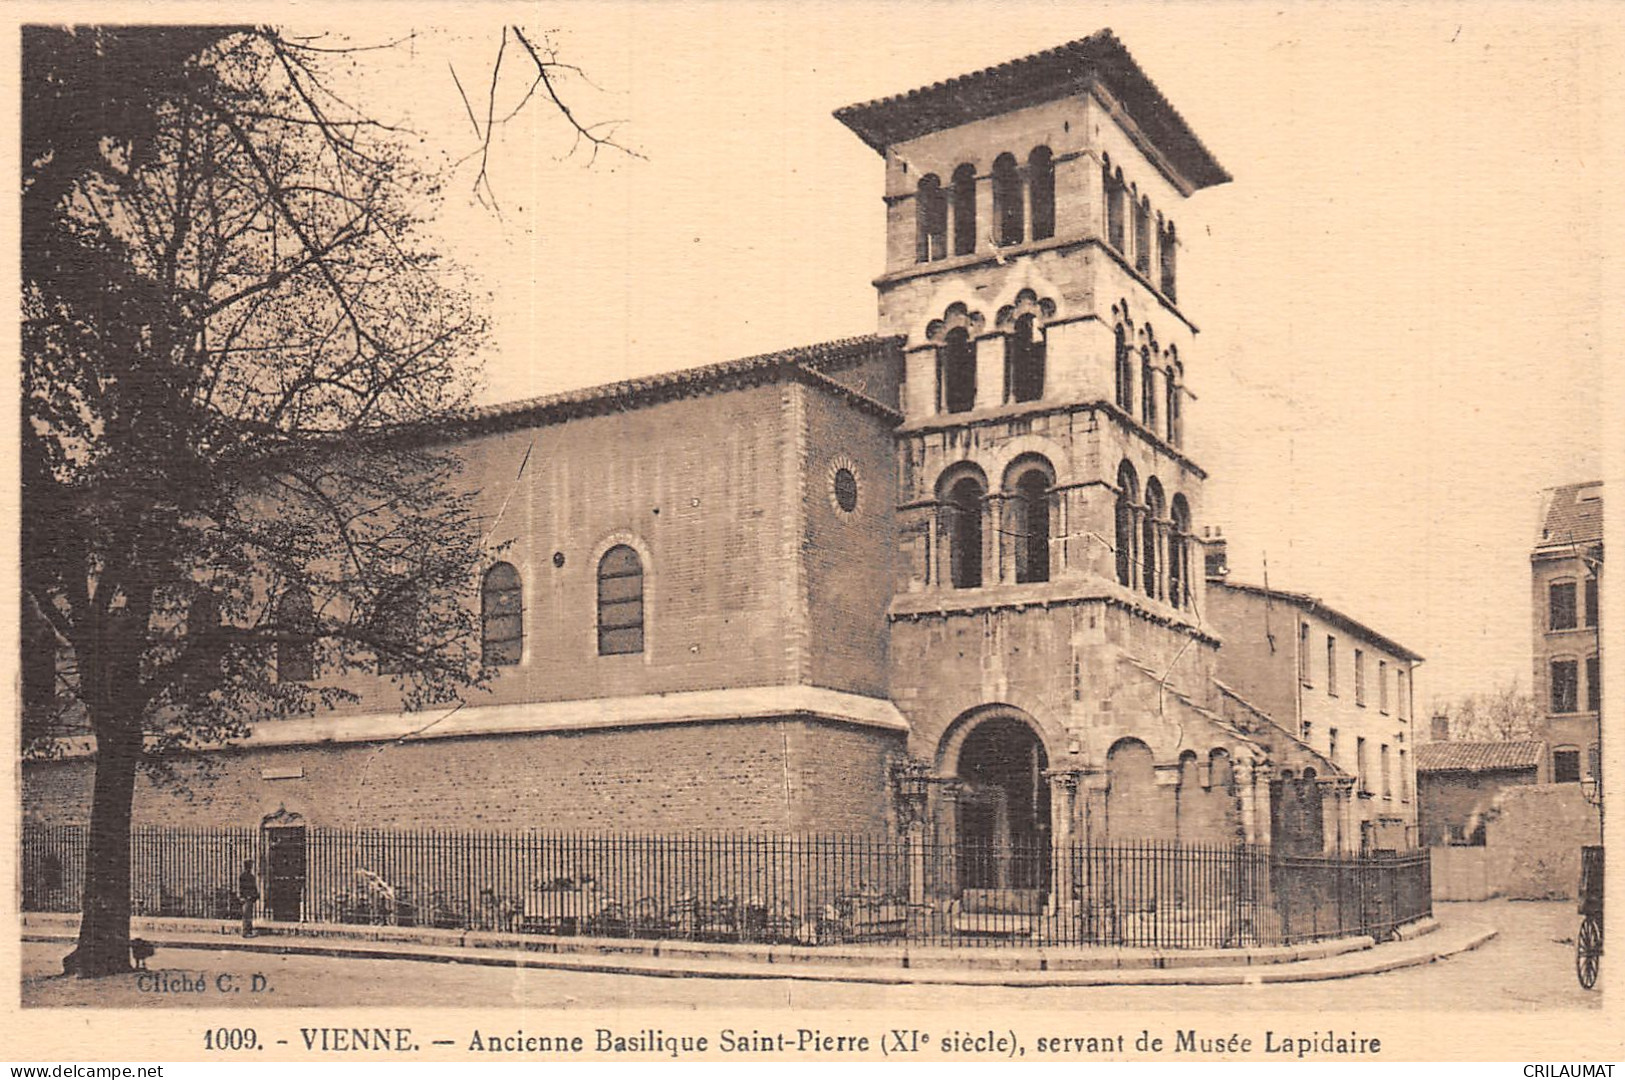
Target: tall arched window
x=957, y=371
x=1128, y=496
x=1024, y=361
x=1030, y=522
x=1167, y=244
x=620, y=602
x=962, y=512
x=502, y=616
x=1112, y=184
x=964, y=198
x=1173, y=376
x=1179, y=565
x=1148, y=389
x=1125, y=372
x=931, y=220
x=1041, y=186
x=295, y=647
x=1007, y=212
x=1154, y=508
x=1142, y=236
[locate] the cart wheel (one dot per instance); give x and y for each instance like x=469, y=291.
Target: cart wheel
x=1588, y=952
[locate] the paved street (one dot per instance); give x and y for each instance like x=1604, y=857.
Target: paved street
x=1530, y=965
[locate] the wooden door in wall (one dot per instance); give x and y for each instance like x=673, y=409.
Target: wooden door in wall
x=285, y=872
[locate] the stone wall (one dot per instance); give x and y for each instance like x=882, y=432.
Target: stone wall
x=1534, y=838
x=764, y=775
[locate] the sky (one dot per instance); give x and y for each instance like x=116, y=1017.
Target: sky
x=1400, y=295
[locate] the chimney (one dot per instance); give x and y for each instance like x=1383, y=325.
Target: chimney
x=1441, y=727
x=1218, y=556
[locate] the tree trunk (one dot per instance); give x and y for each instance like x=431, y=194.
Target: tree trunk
x=104, y=924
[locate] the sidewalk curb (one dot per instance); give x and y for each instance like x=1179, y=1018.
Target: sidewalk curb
x=669, y=966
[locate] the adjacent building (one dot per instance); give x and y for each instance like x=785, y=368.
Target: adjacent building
x=1566, y=576
x=1459, y=783
x=1340, y=687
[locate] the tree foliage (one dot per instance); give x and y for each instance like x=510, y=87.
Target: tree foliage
x=1502, y=714
x=236, y=346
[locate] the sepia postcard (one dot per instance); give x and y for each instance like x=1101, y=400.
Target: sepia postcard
x=858, y=532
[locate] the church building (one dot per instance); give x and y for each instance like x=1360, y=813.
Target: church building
x=944, y=577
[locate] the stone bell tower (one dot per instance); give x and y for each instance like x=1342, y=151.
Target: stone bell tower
x=1048, y=498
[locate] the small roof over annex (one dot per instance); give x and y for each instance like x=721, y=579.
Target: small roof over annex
x=1073, y=68
x=1475, y=757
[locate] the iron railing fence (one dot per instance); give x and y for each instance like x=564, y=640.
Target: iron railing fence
x=791, y=889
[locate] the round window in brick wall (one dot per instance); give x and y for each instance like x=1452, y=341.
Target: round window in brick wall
x=843, y=485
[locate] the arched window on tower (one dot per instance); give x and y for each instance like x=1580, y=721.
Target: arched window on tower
x=1112, y=184
x=964, y=200
x=620, y=602
x=1125, y=372
x=1149, y=527
x=296, y=626
x=956, y=359
x=1148, y=389
x=1041, y=186
x=1030, y=520
x=1167, y=244
x=1007, y=212
x=961, y=507
x=1024, y=350
x=1173, y=379
x=1128, y=497
x=502, y=616
x=1179, y=553
x=1142, y=236
x=931, y=220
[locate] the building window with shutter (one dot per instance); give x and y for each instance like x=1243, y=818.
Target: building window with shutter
x=296, y=645
x=1560, y=606
x=1331, y=666
x=1142, y=236
x=620, y=602
x=930, y=220
x=1041, y=188
x=964, y=203
x=1007, y=201
x=957, y=367
x=1593, y=685
x=502, y=616
x=1128, y=497
x=1565, y=679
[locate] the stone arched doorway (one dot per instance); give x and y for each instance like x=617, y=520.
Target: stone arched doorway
x=1003, y=810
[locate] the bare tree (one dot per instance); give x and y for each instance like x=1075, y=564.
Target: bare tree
x=1503, y=714
x=240, y=359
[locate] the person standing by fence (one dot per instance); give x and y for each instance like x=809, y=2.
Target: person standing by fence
x=248, y=891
